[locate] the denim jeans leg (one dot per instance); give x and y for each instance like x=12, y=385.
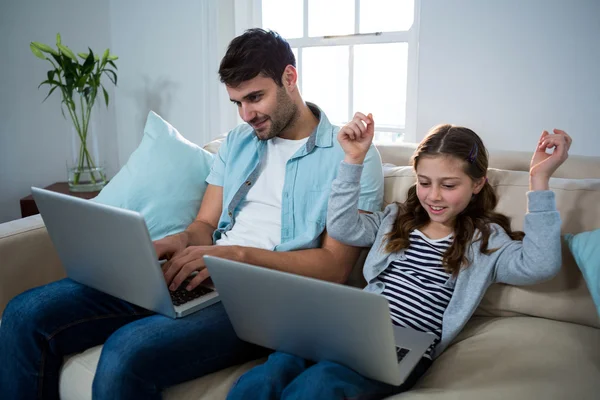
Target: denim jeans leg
x=143, y=358
x=39, y=327
x=267, y=381
x=327, y=380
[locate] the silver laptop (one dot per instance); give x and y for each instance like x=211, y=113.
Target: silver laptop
x=317, y=320
x=109, y=249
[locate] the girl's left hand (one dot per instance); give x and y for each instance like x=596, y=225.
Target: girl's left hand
x=543, y=165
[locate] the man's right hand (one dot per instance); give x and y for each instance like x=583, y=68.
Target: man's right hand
x=170, y=245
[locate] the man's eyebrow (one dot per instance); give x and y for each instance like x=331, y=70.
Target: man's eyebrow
x=254, y=93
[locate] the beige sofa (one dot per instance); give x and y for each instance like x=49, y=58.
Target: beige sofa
x=540, y=342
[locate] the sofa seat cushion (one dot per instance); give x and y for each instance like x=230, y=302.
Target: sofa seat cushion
x=78, y=373
x=493, y=358
x=515, y=358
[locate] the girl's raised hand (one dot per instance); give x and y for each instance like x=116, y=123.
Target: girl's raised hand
x=356, y=136
x=543, y=164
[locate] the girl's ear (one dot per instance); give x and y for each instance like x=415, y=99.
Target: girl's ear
x=479, y=184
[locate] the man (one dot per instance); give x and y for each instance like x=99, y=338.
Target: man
x=265, y=205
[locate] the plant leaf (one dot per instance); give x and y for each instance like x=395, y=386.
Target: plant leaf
x=45, y=48
x=111, y=75
x=112, y=64
x=105, y=56
x=49, y=93
x=83, y=55
x=36, y=52
x=58, y=59
x=66, y=51
x=51, y=74
x=105, y=96
x=58, y=39
x=49, y=82
x=112, y=57
x=88, y=65
x=81, y=82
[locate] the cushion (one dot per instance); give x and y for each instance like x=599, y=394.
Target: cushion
x=518, y=358
x=566, y=297
x=585, y=247
x=164, y=179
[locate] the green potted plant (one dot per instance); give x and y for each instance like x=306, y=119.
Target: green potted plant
x=79, y=82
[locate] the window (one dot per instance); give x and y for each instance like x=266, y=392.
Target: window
x=354, y=55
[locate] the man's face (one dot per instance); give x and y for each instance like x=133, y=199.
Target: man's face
x=265, y=106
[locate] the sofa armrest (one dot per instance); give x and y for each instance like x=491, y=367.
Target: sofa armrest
x=27, y=258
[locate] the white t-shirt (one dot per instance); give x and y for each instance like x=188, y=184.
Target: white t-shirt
x=258, y=221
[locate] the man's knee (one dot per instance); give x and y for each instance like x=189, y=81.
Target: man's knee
x=125, y=367
x=124, y=352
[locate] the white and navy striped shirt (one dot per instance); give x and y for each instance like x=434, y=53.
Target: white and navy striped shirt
x=414, y=287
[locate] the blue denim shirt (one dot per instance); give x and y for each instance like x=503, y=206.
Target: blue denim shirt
x=308, y=178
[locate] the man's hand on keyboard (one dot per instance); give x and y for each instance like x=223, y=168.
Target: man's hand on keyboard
x=169, y=246
x=186, y=262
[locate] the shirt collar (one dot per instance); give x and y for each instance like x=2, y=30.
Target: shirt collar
x=322, y=136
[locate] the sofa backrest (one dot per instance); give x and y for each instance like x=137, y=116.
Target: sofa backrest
x=580, y=167
x=577, y=187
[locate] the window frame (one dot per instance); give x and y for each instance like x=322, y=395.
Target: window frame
x=409, y=36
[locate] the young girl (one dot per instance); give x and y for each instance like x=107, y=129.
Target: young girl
x=432, y=257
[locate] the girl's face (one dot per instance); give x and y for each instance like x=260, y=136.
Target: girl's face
x=444, y=189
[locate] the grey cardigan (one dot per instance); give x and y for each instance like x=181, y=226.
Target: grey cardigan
x=536, y=258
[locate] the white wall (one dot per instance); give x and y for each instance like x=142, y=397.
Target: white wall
x=169, y=55
x=510, y=69
x=34, y=135
x=169, y=60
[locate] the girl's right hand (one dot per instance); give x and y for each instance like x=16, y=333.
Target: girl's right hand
x=543, y=165
x=356, y=136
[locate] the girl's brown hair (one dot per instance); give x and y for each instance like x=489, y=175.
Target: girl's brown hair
x=464, y=144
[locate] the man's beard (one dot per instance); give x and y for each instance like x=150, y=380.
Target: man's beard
x=283, y=117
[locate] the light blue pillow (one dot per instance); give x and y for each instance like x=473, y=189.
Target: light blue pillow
x=164, y=179
x=585, y=247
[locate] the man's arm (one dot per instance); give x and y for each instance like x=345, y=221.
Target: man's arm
x=333, y=261
x=200, y=232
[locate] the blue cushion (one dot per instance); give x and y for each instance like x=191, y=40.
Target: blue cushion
x=164, y=179
x=585, y=247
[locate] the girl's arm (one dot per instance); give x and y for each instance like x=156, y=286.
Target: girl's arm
x=344, y=223
x=538, y=256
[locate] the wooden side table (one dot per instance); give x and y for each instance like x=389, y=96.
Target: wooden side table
x=28, y=206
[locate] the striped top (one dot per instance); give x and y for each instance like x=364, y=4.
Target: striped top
x=414, y=286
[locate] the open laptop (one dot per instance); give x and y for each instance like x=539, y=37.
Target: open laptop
x=317, y=320
x=109, y=249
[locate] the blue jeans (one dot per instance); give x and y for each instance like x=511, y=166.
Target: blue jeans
x=143, y=352
x=288, y=377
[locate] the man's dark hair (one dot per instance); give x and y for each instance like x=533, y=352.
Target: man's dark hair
x=256, y=51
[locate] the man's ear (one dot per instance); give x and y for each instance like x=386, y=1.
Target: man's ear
x=289, y=79
x=479, y=185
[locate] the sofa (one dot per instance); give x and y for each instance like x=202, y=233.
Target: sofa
x=537, y=342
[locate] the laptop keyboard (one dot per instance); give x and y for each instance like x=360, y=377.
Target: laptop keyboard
x=401, y=353
x=182, y=296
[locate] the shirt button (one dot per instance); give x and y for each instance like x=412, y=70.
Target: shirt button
x=230, y=213
x=248, y=183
